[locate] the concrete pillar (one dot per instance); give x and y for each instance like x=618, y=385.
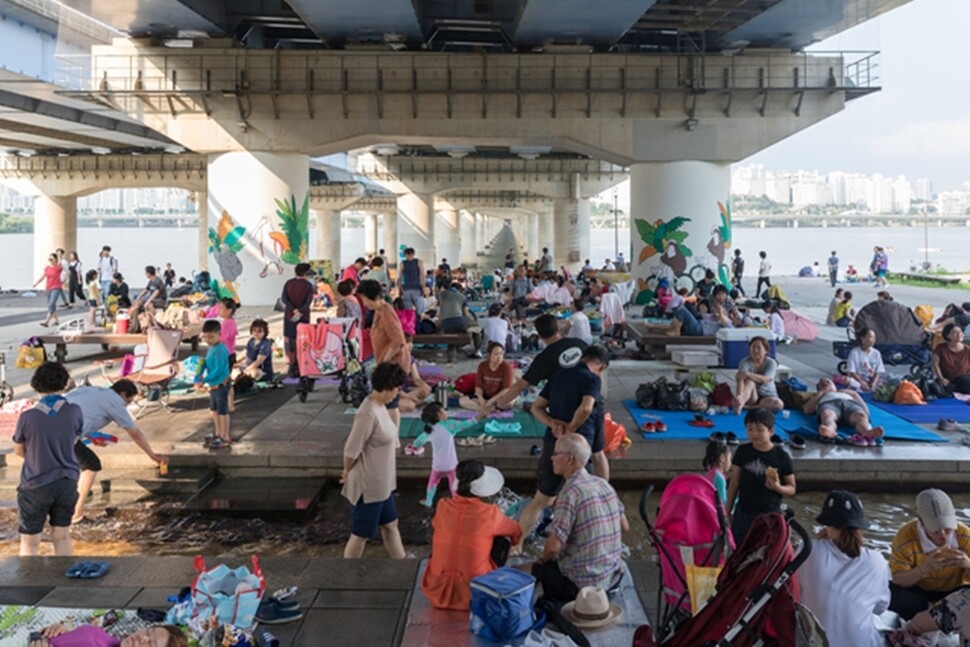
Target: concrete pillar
x=415, y=225
x=480, y=233
x=202, y=208
x=572, y=231
x=370, y=234
x=259, y=217
x=547, y=232
x=391, y=247
x=446, y=240
x=532, y=238
x=468, y=239
x=691, y=198
x=55, y=226
x=328, y=237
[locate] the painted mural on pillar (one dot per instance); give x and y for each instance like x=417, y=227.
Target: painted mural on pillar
x=671, y=258
x=225, y=243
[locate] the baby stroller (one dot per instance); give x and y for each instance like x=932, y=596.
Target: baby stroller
x=754, y=603
x=692, y=540
x=900, y=336
x=331, y=347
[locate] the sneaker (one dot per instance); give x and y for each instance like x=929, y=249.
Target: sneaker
x=948, y=424
x=274, y=614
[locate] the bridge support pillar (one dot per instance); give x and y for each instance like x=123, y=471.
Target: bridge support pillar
x=329, y=245
x=415, y=225
x=447, y=240
x=547, y=233
x=258, y=221
x=55, y=226
x=572, y=232
x=389, y=227
x=202, y=208
x=468, y=239
x=370, y=235
x=532, y=237
x=680, y=223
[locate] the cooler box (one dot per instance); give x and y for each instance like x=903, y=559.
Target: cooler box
x=732, y=344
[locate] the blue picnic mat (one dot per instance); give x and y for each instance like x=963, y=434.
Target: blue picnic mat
x=930, y=412
x=797, y=422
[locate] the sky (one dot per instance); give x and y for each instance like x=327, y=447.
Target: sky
x=918, y=124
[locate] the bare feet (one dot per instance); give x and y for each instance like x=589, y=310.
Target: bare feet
x=827, y=432
x=875, y=432
x=737, y=406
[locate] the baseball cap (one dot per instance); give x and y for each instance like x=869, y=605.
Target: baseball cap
x=842, y=509
x=935, y=510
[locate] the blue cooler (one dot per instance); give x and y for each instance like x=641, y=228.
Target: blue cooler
x=501, y=605
x=732, y=344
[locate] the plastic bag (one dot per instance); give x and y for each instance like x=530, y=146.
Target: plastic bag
x=230, y=595
x=31, y=354
x=614, y=433
x=924, y=313
x=647, y=393
x=673, y=397
x=705, y=380
x=908, y=393
x=885, y=390
x=698, y=399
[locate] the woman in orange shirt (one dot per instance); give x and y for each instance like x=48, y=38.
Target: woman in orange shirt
x=471, y=537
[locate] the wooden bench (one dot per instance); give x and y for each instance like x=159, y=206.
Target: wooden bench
x=454, y=341
x=106, y=339
x=655, y=344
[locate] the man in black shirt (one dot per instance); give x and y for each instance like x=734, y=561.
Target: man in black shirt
x=155, y=292
x=560, y=353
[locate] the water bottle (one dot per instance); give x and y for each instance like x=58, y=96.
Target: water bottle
x=441, y=393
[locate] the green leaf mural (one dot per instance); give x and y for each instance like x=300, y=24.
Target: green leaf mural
x=294, y=224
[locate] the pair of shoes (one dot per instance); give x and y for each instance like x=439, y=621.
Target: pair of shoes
x=218, y=443
x=87, y=570
x=473, y=441
x=858, y=440
x=948, y=424
x=273, y=611
x=797, y=442
x=411, y=450
x=700, y=421
x=726, y=437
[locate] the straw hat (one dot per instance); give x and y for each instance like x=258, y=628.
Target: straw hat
x=591, y=609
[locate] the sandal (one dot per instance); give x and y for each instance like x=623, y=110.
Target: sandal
x=858, y=440
x=797, y=442
x=701, y=422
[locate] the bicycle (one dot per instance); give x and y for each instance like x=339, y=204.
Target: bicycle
x=6, y=391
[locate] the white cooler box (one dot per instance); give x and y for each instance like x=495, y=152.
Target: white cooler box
x=732, y=344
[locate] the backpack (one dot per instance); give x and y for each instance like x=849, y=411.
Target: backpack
x=722, y=395
x=466, y=384
x=646, y=394
x=501, y=605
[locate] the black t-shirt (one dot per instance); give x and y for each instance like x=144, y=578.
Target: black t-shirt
x=737, y=266
x=564, y=353
x=565, y=392
x=752, y=493
x=159, y=285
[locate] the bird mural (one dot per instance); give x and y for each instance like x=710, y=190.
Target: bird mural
x=667, y=240
x=720, y=242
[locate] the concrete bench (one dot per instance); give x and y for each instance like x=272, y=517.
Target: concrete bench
x=656, y=344
x=106, y=339
x=453, y=341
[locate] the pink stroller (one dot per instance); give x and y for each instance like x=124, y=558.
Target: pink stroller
x=690, y=527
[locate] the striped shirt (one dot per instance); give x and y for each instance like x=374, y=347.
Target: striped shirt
x=587, y=522
x=907, y=554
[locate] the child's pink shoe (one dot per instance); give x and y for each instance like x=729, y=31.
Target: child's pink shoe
x=411, y=450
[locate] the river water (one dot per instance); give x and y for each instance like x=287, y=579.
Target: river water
x=788, y=249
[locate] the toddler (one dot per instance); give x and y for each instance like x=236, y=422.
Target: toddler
x=93, y=288
x=441, y=431
x=761, y=474
x=259, y=352
x=717, y=461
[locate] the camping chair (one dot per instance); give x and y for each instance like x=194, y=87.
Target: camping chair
x=158, y=367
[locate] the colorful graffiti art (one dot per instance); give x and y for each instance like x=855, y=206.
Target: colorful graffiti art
x=225, y=243
x=293, y=235
x=674, y=260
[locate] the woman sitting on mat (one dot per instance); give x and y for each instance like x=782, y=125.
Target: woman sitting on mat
x=845, y=408
x=492, y=381
x=951, y=361
x=756, y=379
x=471, y=537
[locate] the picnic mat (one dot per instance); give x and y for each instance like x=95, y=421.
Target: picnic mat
x=930, y=412
x=439, y=627
x=679, y=429
x=412, y=427
x=17, y=622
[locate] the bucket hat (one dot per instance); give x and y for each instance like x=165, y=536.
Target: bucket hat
x=592, y=609
x=842, y=509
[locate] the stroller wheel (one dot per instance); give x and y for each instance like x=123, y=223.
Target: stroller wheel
x=843, y=368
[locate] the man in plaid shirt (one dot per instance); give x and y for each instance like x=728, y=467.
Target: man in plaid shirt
x=585, y=544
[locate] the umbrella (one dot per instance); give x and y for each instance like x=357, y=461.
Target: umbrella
x=798, y=325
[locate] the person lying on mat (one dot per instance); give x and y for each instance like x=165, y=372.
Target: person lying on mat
x=67, y=634
x=930, y=555
x=684, y=323
x=835, y=408
x=755, y=379
x=951, y=361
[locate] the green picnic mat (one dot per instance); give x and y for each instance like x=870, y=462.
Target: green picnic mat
x=412, y=427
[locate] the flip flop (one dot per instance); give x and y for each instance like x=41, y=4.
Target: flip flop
x=94, y=570
x=77, y=569
x=732, y=438
x=797, y=442
x=718, y=437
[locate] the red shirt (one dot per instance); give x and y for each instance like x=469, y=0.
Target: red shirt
x=953, y=365
x=464, y=529
x=350, y=272
x=52, y=275
x=491, y=382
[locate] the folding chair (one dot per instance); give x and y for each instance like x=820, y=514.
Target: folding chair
x=159, y=366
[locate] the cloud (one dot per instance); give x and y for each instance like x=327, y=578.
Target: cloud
x=925, y=139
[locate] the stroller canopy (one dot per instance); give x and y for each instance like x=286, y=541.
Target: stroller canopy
x=892, y=322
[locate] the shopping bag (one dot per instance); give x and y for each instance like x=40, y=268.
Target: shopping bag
x=701, y=584
x=230, y=595
x=31, y=354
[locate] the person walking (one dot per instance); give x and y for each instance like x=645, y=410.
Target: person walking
x=880, y=266
x=65, y=276
x=52, y=286
x=169, y=275
x=737, y=271
x=764, y=273
x=833, y=265
x=107, y=267
x=75, y=278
